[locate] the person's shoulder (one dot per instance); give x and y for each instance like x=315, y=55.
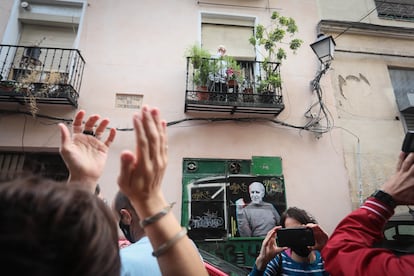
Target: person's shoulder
x=285, y=255
x=137, y=258
x=143, y=246
x=318, y=255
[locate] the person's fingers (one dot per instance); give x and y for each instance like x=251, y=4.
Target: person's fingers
x=124, y=178
x=111, y=137
x=161, y=126
x=101, y=128
x=159, y=133
x=164, y=141
x=272, y=233
x=77, y=121
x=401, y=158
x=142, y=151
x=320, y=236
x=151, y=130
x=64, y=136
x=407, y=162
x=90, y=123
x=159, y=141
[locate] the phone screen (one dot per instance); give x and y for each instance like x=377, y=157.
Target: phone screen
x=408, y=143
x=291, y=237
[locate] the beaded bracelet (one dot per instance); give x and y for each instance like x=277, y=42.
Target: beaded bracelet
x=144, y=222
x=168, y=244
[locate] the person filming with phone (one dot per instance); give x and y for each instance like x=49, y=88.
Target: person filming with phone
x=292, y=248
x=354, y=239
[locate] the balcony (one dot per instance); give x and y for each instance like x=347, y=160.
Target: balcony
x=47, y=75
x=254, y=91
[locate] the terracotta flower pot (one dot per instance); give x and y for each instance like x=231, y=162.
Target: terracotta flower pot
x=202, y=95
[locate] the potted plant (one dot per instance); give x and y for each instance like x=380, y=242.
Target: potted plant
x=33, y=52
x=247, y=91
x=269, y=39
x=234, y=77
x=200, y=60
x=7, y=85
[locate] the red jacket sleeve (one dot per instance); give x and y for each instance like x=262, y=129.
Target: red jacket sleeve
x=349, y=250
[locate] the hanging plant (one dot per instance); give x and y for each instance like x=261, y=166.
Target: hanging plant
x=270, y=39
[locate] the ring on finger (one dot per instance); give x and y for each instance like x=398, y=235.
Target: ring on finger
x=88, y=132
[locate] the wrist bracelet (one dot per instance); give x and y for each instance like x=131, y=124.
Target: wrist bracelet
x=168, y=244
x=384, y=198
x=144, y=222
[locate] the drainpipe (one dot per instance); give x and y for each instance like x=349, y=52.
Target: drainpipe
x=359, y=179
x=358, y=167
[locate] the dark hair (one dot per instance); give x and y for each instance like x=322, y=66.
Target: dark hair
x=50, y=228
x=122, y=202
x=132, y=231
x=298, y=214
x=97, y=189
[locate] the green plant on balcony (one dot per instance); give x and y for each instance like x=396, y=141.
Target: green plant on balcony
x=269, y=39
x=200, y=61
x=234, y=78
x=234, y=72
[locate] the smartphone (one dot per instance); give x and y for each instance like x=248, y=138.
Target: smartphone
x=408, y=143
x=291, y=237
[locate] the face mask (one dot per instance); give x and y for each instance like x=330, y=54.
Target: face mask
x=125, y=229
x=302, y=251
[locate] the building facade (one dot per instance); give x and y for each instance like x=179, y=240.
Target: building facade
x=321, y=151
x=372, y=79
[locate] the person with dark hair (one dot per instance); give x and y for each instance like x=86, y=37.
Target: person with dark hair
x=301, y=260
x=353, y=240
x=49, y=228
x=136, y=259
x=139, y=180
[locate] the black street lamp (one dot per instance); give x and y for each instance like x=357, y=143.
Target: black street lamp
x=324, y=48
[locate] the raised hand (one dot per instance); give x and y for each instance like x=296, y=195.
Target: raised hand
x=269, y=249
x=401, y=185
x=321, y=237
x=140, y=180
x=84, y=153
x=142, y=171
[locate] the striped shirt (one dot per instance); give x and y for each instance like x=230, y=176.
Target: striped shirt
x=293, y=268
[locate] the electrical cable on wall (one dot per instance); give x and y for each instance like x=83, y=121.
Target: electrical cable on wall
x=306, y=127
x=318, y=112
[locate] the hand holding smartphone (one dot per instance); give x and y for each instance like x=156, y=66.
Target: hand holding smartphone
x=293, y=237
x=408, y=143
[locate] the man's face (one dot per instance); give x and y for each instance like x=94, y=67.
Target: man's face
x=256, y=193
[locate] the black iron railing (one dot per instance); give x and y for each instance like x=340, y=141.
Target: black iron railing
x=213, y=87
x=49, y=75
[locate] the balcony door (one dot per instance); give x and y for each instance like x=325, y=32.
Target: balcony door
x=47, y=36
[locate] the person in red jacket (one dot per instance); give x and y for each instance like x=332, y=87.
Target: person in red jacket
x=350, y=250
